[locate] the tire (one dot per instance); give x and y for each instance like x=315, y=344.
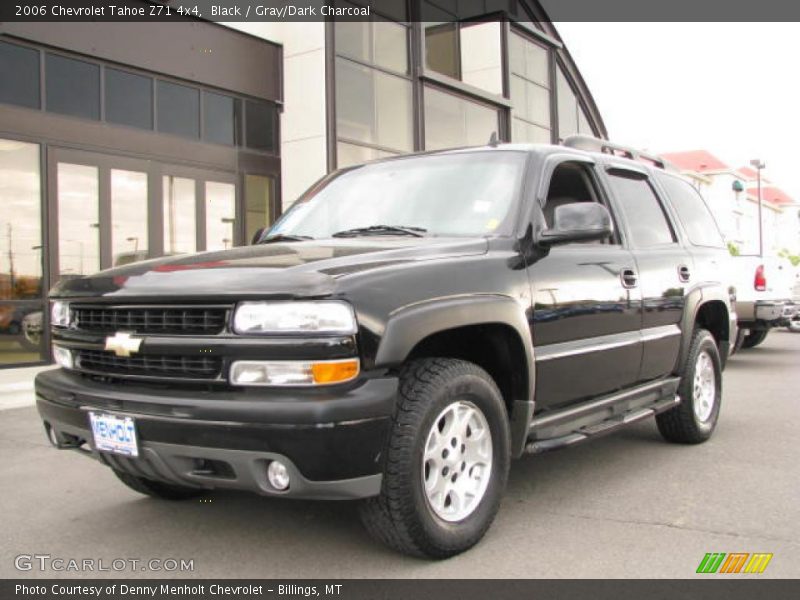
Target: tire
x=794, y=325
x=693, y=421
x=435, y=394
x=754, y=338
x=157, y=489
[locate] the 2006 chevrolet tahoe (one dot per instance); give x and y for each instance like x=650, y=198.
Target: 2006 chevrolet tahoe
x=406, y=329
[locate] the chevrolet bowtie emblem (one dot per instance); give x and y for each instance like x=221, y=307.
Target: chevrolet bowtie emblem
x=123, y=344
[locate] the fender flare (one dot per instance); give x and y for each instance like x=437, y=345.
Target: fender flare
x=411, y=324
x=695, y=299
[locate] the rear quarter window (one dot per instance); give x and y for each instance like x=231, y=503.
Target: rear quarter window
x=693, y=212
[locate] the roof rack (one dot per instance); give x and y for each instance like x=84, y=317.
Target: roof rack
x=593, y=144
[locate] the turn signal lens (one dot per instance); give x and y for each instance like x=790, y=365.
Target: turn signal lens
x=334, y=372
x=293, y=373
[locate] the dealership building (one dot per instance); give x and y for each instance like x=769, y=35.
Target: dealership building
x=123, y=140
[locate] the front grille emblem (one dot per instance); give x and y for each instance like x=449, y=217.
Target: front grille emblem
x=123, y=344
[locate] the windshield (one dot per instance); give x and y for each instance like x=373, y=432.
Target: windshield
x=469, y=194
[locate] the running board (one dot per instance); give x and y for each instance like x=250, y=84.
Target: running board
x=600, y=416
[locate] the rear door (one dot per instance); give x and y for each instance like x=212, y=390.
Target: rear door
x=585, y=320
x=663, y=266
x=711, y=261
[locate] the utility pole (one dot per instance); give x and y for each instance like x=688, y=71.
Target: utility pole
x=758, y=165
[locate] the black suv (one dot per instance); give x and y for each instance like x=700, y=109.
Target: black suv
x=406, y=329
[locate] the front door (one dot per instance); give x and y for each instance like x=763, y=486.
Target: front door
x=587, y=308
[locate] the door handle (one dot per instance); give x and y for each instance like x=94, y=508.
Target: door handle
x=683, y=273
x=628, y=277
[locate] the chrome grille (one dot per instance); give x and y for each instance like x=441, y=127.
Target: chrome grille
x=148, y=365
x=181, y=320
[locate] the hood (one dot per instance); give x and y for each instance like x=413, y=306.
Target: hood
x=311, y=268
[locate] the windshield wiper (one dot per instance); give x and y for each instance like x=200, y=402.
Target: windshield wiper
x=285, y=237
x=382, y=230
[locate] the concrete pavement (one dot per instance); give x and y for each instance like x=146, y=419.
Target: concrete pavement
x=628, y=505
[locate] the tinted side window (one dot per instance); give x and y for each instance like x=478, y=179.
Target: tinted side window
x=129, y=99
x=73, y=87
x=647, y=222
x=19, y=75
x=178, y=109
x=693, y=212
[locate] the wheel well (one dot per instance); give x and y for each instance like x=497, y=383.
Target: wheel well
x=495, y=347
x=713, y=316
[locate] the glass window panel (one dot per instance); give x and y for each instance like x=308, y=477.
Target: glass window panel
x=257, y=203
x=72, y=87
x=583, y=123
x=19, y=75
x=180, y=233
x=567, y=107
x=481, y=61
x=78, y=220
x=373, y=107
x=536, y=64
x=378, y=42
x=647, y=223
x=129, y=99
x=451, y=121
x=261, y=119
x=220, y=215
x=693, y=212
x=178, y=109
x=441, y=48
x=128, y=216
x=351, y=154
x=220, y=118
x=20, y=221
x=524, y=132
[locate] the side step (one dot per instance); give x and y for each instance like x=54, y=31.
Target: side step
x=600, y=416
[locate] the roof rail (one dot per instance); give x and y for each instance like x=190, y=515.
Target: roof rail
x=593, y=144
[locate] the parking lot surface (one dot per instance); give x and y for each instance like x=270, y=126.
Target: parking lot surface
x=627, y=505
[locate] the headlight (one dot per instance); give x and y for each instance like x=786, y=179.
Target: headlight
x=294, y=317
x=59, y=314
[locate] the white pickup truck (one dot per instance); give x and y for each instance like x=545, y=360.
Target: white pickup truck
x=763, y=296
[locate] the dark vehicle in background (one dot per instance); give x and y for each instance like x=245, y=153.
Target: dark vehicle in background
x=402, y=333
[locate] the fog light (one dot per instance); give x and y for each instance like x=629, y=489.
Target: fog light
x=63, y=357
x=278, y=475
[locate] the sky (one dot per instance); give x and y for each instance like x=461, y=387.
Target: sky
x=730, y=88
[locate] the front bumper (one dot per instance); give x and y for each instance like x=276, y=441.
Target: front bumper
x=330, y=440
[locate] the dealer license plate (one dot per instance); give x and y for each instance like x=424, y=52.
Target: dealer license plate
x=114, y=434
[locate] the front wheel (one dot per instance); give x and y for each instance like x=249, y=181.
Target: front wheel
x=794, y=325
x=446, y=462
x=700, y=390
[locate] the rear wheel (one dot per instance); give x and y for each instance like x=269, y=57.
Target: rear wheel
x=447, y=461
x=754, y=338
x=157, y=489
x=695, y=418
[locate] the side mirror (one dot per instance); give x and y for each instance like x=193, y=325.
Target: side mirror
x=257, y=235
x=578, y=222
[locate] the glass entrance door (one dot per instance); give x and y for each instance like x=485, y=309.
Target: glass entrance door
x=78, y=212
x=111, y=211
